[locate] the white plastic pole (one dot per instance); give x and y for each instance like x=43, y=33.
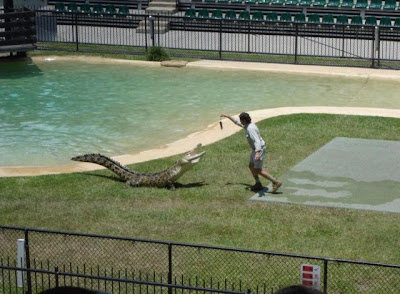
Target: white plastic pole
x=20, y=261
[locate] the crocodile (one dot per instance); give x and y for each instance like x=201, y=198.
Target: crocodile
x=165, y=178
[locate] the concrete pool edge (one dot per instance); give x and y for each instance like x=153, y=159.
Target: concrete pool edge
x=210, y=135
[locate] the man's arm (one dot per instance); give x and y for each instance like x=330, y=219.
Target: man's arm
x=236, y=122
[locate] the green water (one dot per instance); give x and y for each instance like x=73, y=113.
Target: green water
x=53, y=110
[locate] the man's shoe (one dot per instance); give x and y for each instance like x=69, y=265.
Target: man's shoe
x=256, y=187
x=276, y=186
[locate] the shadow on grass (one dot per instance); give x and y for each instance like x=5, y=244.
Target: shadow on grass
x=177, y=185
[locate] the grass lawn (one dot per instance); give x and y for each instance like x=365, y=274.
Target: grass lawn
x=211, y=205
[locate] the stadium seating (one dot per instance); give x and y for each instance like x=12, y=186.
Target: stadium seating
x=390, y=4
x=385, y=22
x=85, y=8
x=216, y=13
x=244, y=15
x=230, y=14
x=333, y=3
x=258, y=15
x=124, y=10
x=370, y=21
x=347, y=3
x=277, y=2
x=375, y=4
x=319, y=3
x=72, y=7
x=286, y=17
x=98, y=8
x=356, y=20
x=110, y=9
x=203, y=13
x=397, y=22
x=362, y=4
x=272, y=16
x=190, y=12
x=342, y=19
x=328, y=19
x=314, y=18
x=291, y=2
x=60, y=7
x=300, y=17
x=305, y=2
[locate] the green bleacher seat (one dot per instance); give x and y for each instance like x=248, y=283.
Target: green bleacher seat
x=362, y=4
x=190, y=12
x=59, y=7
x=203, y=13
x=286, y=17
x=264, y=1
x=291, y=2
x=305, y=2
x=314, y=18
x=385, y=22
x=277, y=2
x=72, y=7
x=85, y=8
x=300, y=17
x=328, y=19
x=251, y=1
x=110, y=9
x=216, y=13
x=333, y=3
x=98, y=8
x=213, y=1
x=390, y=4
x=244, y=15
x=124, y=10
x=375, y=4
x=236, y=1
x=347, y=3
x=272, y=16
x=370, y=21
x=230, y=14
x=397, y=22
x=319, y=3
x=356, y=20
x=223, y=1
x=258, y=15
x=342, y=19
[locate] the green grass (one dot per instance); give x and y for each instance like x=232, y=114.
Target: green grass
x=211, y=205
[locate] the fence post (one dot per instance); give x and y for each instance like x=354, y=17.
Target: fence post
x=151, y=27
x=325, y=276
x=220, y=39
x=56, y=276
x=377, y=43
x=295, y=43
x=28, y=263
x=169, y=267
x=20, y=262
x=76, y=31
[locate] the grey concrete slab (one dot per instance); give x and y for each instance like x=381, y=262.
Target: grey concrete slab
x=346, y=172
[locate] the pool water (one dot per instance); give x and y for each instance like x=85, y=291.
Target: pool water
x=53, y=110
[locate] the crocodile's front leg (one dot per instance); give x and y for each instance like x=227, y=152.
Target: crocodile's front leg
x=171, y=185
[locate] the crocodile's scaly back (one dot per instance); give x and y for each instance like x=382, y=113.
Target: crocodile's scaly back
x=133, y=178
x=121, y=170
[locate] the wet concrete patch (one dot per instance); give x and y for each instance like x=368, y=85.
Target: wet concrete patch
x=346, y=172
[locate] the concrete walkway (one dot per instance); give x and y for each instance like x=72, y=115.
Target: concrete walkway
x=213, y=133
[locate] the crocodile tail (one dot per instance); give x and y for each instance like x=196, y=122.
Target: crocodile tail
x=107, y=162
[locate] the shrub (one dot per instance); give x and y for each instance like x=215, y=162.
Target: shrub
x=157, y=54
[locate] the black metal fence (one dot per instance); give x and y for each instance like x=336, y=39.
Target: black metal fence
x=122, y=265
x=250, y=40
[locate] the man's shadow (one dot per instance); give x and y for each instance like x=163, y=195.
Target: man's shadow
x=262, y=192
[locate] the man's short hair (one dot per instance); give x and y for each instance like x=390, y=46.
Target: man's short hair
x=245, y=116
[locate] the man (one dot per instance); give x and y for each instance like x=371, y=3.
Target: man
x=257, y=155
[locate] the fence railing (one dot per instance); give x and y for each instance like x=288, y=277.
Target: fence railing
x=252, y=40
x=76, y=256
